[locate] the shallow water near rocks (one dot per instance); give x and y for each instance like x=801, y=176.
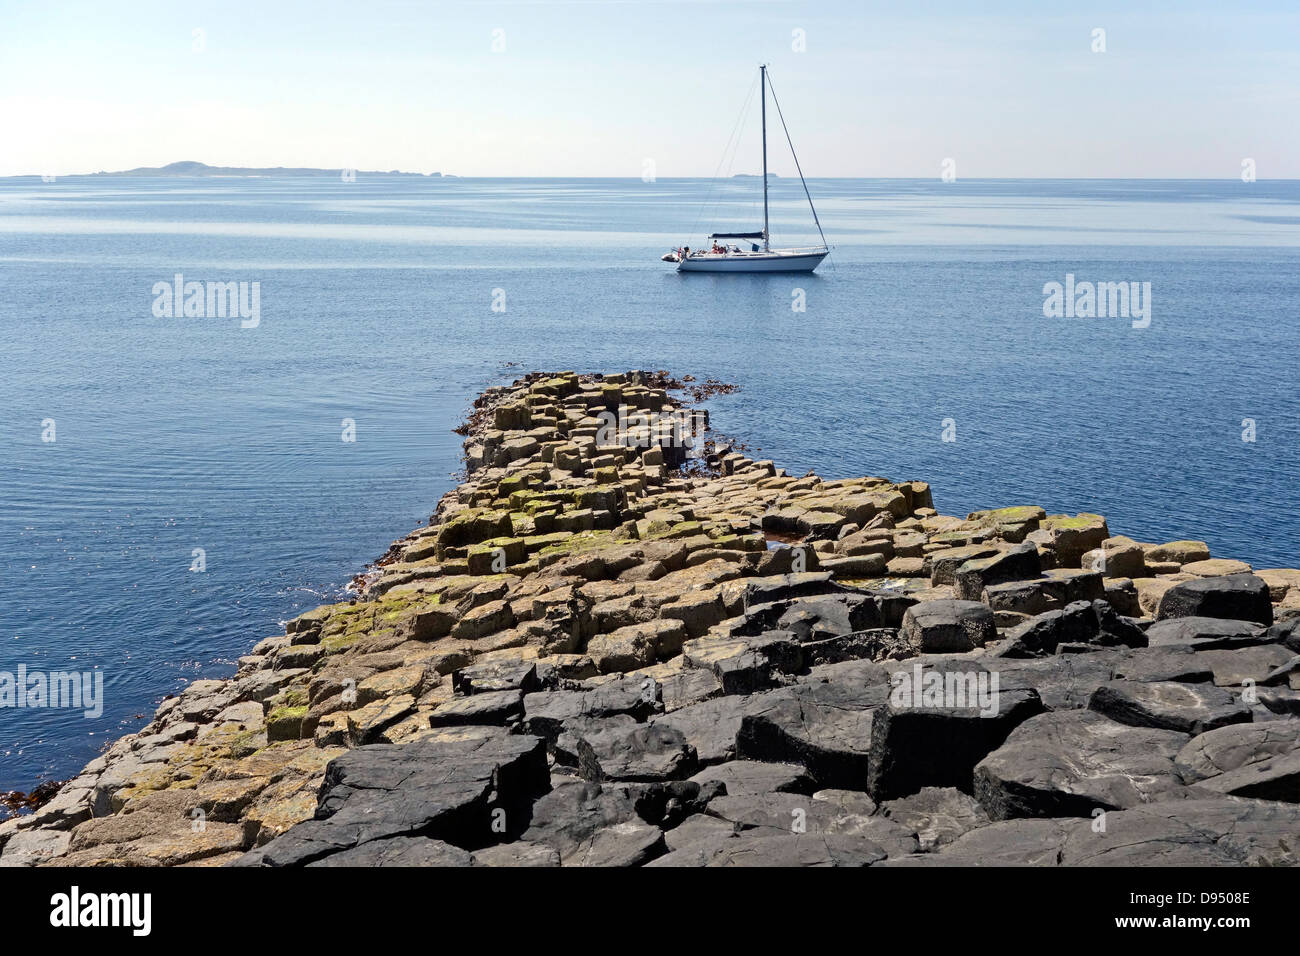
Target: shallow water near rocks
x=376, y=306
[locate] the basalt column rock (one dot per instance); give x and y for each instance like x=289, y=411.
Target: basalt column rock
x=621, y=640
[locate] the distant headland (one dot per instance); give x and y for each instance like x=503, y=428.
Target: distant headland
x=191, y=168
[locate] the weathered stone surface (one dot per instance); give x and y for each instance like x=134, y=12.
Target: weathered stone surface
x=1074, y=536
x=1007, y=843
x=916, y=743
x=1205, y=633
x=826, y=728
x=409, y=681
x=817, y=618
x=620, y=749
x=636, y=645
x=697, y=610
x=710, y=727
x=939, y=627
x=1010, y=524
x=1246, y=760
x=797, y=814
x=483, y=620
x=588, y=824
x=855, y=566
x=1190, y=833
x=681, y=686
x=905, y=567
x=625, y=611
x=783, y=587
x=1122, y=595
x=398, y=851
x=514, y=675
x=1117, y=557
x=1179, y=552
x=943, y=563
x=746, y=664
x=519, y=853
x=494, y=708
x=368, y=724
x=1063, y=681
x=1280, y=581
x=1171, y=662
x=741, y=777
x=430, y=622
x=1081, y=622
x=33, y=847
x=1234, y=667
x=1216, y=567
x=1075, y=762
x=1189, y=708
x=444, y=789
x=162, y=838
x=937, y=815
x=758, y=848
x=1237, y=597
x=1286, y=633
x=695, y=828
x=1018, y=563
x=545, y=714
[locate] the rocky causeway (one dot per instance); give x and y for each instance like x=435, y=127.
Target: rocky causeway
x=620, y=641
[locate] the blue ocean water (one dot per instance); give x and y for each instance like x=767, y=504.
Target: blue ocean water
x=176, y=434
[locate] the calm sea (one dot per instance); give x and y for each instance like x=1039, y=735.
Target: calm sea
x=173, y=435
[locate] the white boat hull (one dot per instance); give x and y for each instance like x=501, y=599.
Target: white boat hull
x=754, y=262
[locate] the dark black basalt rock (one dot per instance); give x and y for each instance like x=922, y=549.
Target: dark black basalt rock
x=1239, y=597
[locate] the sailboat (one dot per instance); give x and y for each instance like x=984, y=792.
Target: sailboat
x=751, y=257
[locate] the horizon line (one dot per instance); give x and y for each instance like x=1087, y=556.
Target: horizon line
x=129, y=174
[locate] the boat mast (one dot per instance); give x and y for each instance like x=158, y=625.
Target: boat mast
x=763, y=93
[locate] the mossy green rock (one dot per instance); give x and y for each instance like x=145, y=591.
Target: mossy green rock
x=285, y=723
x=471, y=526
x=1017, y=514
x=495, y=555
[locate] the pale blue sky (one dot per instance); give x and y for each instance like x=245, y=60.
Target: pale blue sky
x=596, y=88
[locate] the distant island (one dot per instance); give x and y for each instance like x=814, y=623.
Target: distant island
x=754, y=176
x=190, y=168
